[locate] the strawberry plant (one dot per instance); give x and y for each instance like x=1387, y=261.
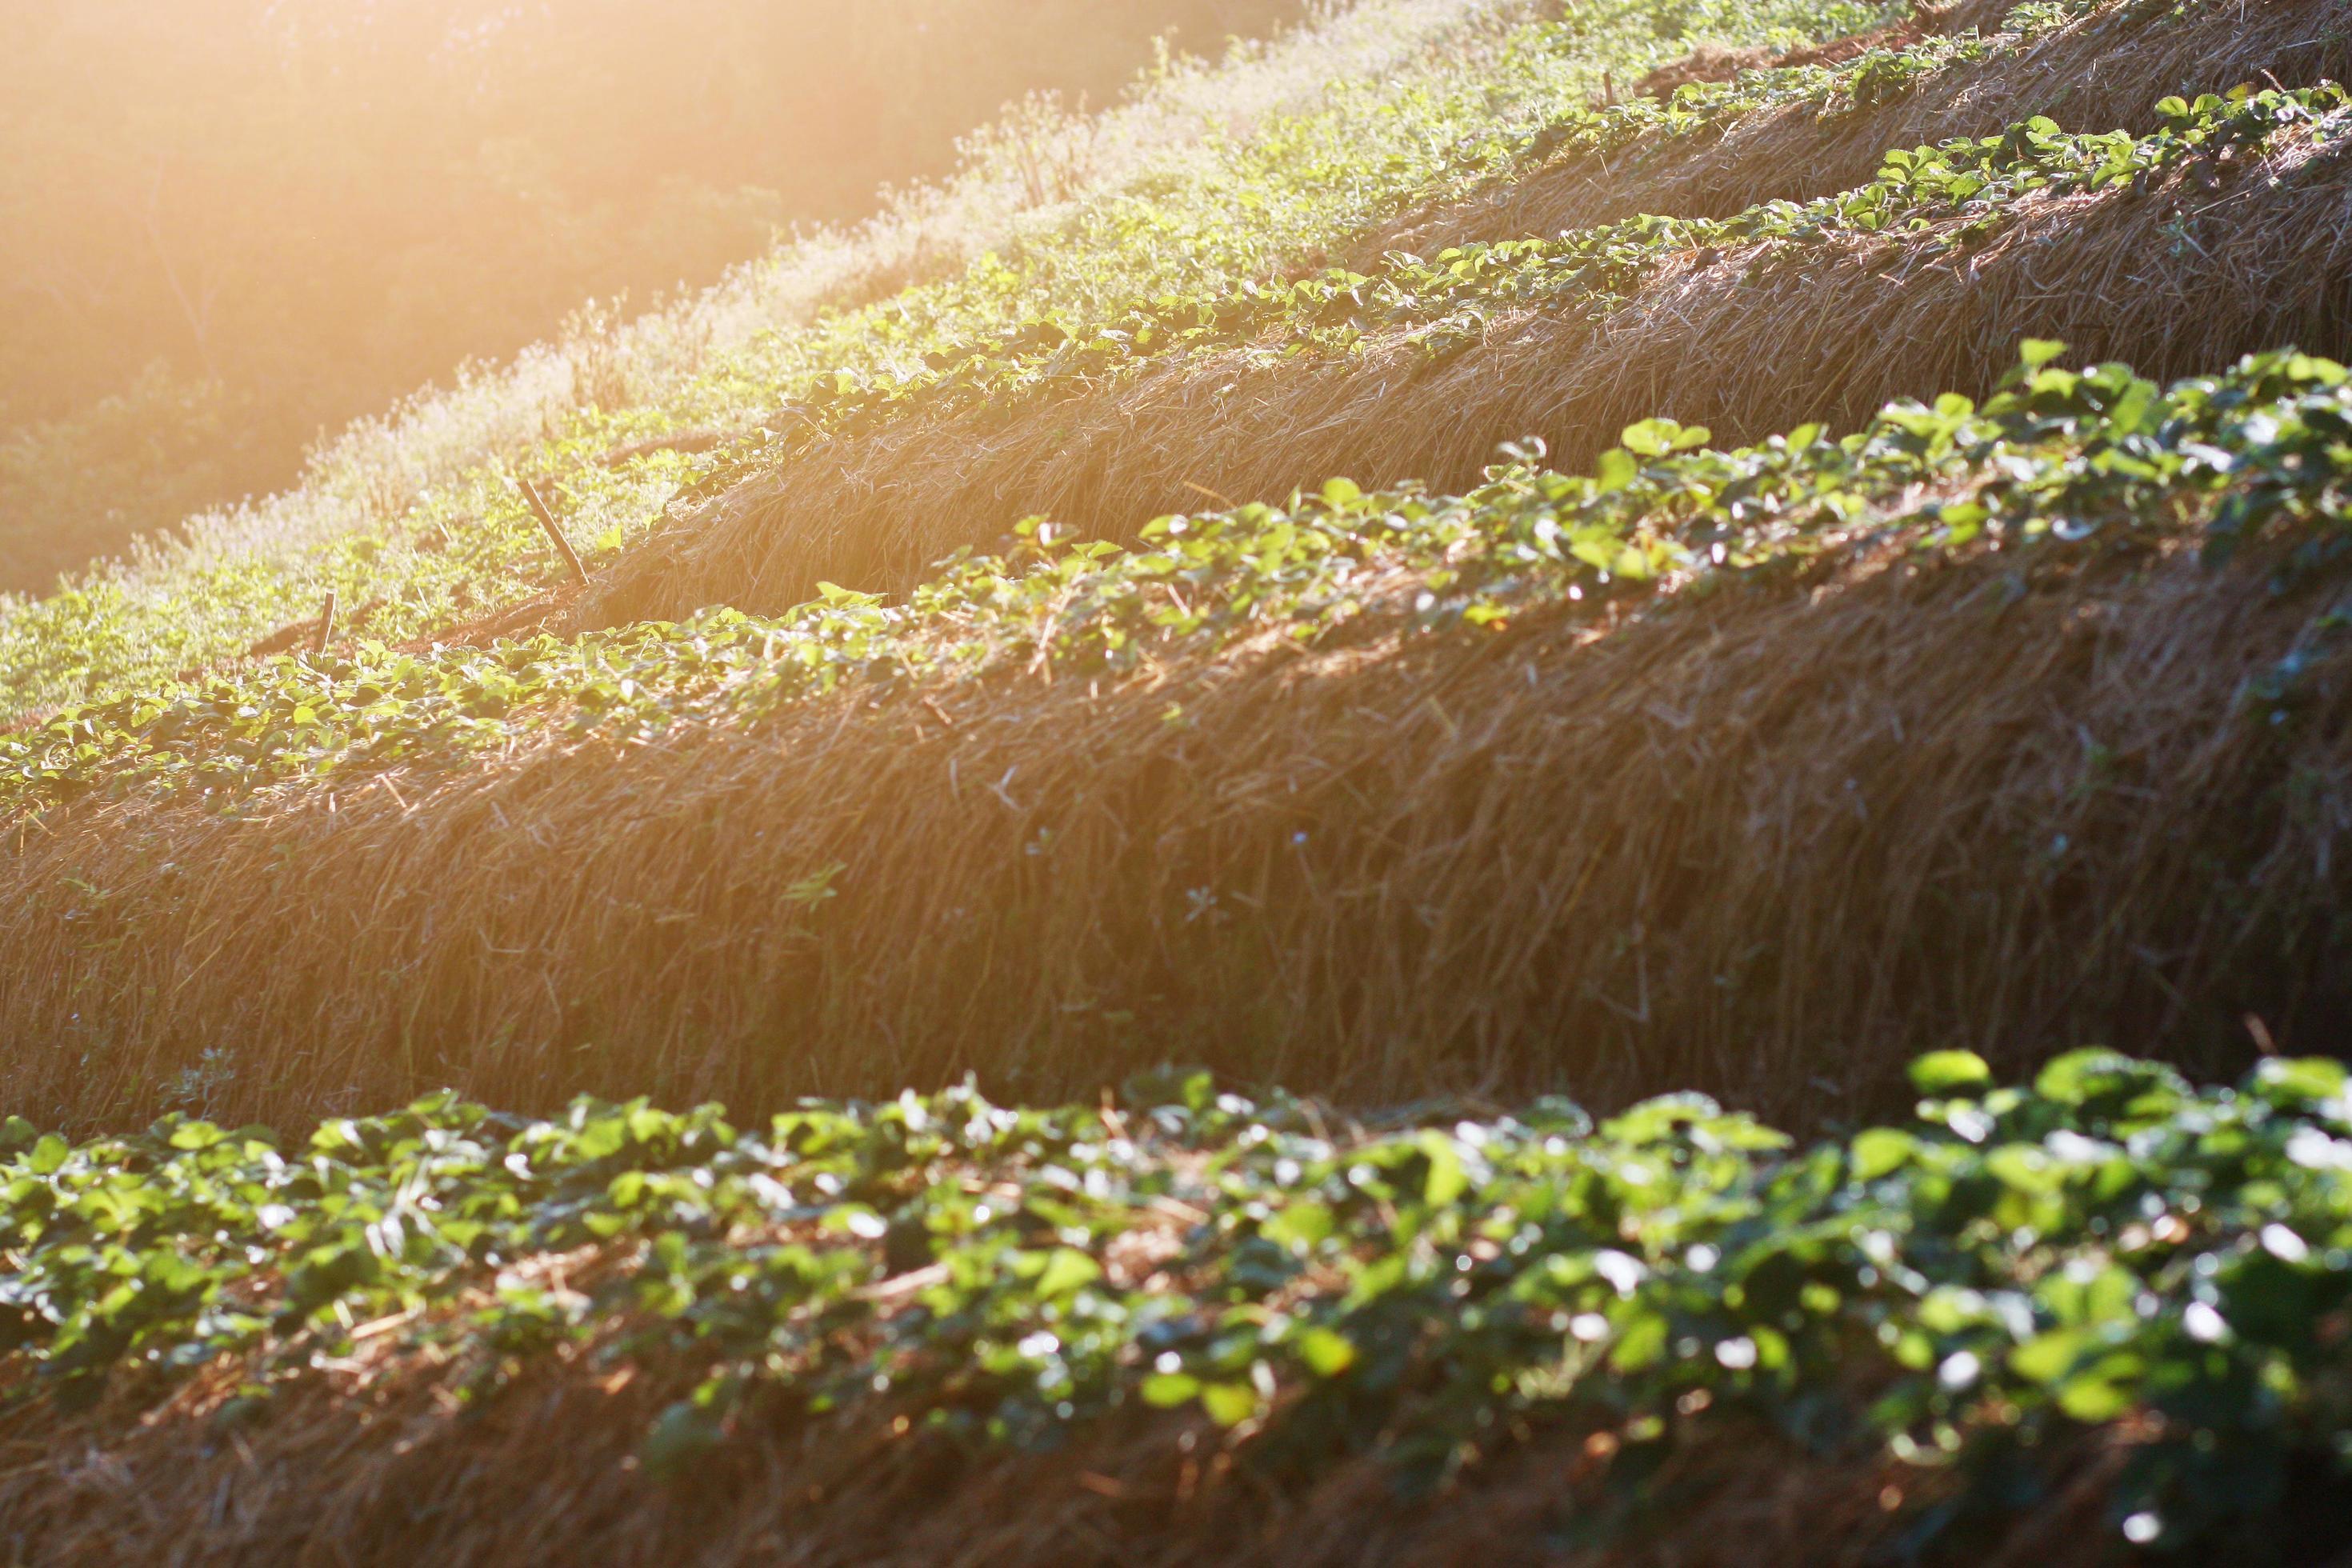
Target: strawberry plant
x=2014, y=1264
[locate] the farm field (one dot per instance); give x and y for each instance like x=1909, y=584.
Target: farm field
x=1555, y=783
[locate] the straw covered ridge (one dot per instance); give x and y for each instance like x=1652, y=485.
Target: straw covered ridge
x=2107, y=67
x=2175, y=276
x=1766, y=844
x=379, y=1465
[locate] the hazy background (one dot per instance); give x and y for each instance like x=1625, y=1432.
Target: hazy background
x=226, y=225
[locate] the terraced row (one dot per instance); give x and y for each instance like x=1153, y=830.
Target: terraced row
x=2059, y=458
x=1976, y=1287
x=1408, y=763
x=1932, y=272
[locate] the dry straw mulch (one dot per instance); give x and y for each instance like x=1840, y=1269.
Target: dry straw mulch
x=388, y=1470
x=1770, y=844
x=2108, y=69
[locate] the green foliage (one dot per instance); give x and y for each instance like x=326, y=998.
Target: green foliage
x=1963, y=190
x=2057, y=457
x=2014, y=1264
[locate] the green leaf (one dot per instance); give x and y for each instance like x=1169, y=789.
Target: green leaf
x=1326, y=1353
x=1652, y=437
x=1066, y=1269
x=1300, y=1226
x=2304, y=1081
x=1167, y=1390
x=1880, y=1151
x=1942, y=1074
x=2094, y=1399
x=2133, y=410
x=1446, y=1179
x=1599, y=554
x=2036, y=352
x=1190, y=1087
x=2078, y=1077
x=1229, y=1404
x=2046, y=1358
x=1641, y=1344
x=2026, y=1168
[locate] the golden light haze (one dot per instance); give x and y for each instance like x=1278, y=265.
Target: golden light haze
x=226, y=225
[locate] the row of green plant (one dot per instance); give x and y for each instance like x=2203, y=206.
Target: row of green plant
x=1241, y=207
x=948, y=353
x=1656, y=123
x=2263, y=451
x=2014, y=1265
x=1962, y=190
x=940, y=358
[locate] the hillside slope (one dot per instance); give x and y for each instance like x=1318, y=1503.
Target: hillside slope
x=1789, y=552
x=1625, y=833
x=190, y=290
x=412, y=517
